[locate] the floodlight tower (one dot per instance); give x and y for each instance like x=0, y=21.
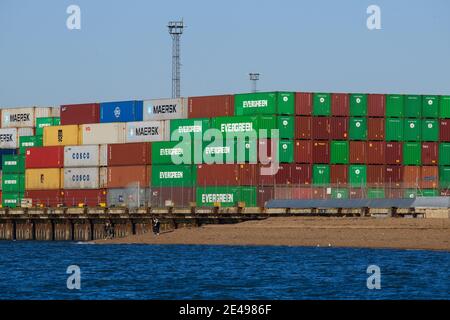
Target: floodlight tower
x=254, y=77
x=176, y=30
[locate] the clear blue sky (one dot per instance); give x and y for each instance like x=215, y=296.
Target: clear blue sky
x=123, y=50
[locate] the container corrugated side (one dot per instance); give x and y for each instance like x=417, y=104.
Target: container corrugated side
x=176, y=197
x=23, y=117
x=81, y=178
x=145, y=131
x=61, y=136
x=129, y=154
x=43, y=179
x=121, y=111
x=80, y=113
x=165, y=109
x=128, y=176
x=44, y=157
x=82, y=156
x=211, y=106
x=102, y=133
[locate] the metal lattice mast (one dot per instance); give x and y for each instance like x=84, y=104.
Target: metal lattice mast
x=254, y=77
x=176, y=30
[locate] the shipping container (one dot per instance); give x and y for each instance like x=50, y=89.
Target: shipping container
x=444, y=107
x=102, y=133
x=13, y=182
x=286, y=127
x=130, y=176
x=321, y=175
x=322, y=104
x=44, y=157
x=9, y=138
x=165, y=109
x=430, y=130
x=303, y=104
x=394, y=129
x=303, y=151
x=444, y=154
x=121, y=111
x=321, y=152
x=173, y=152
x=429, y=177
x=430, y=106
x=413, y=106
x=286, y=151
x=183, y=128
x=264, y=195
x=231, y=174
x=412, y=130
x=86, y=156
x=411, y=176
x=395, y=105
x=376, y=175
x=44, y=198
x=231, y=151
x=211, y=106
x=356, y=193
x=376, y=105
x=393, y=176
x=303, y=128
x=29, y=142
x=301, y=174
x=444, y=177
x=376, y=193
x=147, y=131
x=5, y=152
x=43, y=179
x=338, y=128
x=23, y=117
x=358, y=152
x=46, y=122
x=13, y=164
x=428, y=193
x=376, y=129
x=87, y=113
x=321, y=127
x=357, y=175
x=81, y=178
x=226, y=196
x=11, y=200
x=339, y=152
x=61, y=136
x=340, y=104
x=430, y=153
x=394, y=193
x=176, y=197
x=135, y=197
x=305, y=193
x=275, y=175
x=184, y=176
x=264, y=103
x=410, y=193
x=358, y=105
x=89, y=198
x=444, y=130
x=358, y=129
x=55, y=112
x=339, y=193
x=338, y=175
x=412, y=154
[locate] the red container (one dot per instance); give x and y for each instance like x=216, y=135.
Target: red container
x=90, y=198
x=303, y=151
x=301, y=174
x=376, y=152
x=445, y=193
x=444, y=130
x=282, y=176
x=124, y=176
x=44, y=157
x=393, y=176
x=283, y=193
x=320, y=194
x=321, y=152
x=376, y=175
x=303, y=103
x=376, y=105
x=181, y=197
x=340, y=104
x=321, y=127
x=129, y=154
x=429, y=177
x=358, y=152
x=394, y=193
x=211, y=106
x=394, y=153
x=356, y=193
x=339, y=128
x=44, y=198
x=80, y=113
x=411, y=177
x=376, y=129
x=264, y=195
x=227, y=175
x=303, y=128
x=338, y=174
x=302, y=193
x=430, y=153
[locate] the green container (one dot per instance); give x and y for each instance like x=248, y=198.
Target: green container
x=413, y=106
x=429, y=193
x=174, y=152
x=376, y=193
x=13, y=183
x=395, y=105
x=46, y=122
x=230, y=151
x=264, y=103
x=195, y=128
x=29, y=142
x=226, y=196
x=11, y=200
x=444, y=177
x=322, y=104
x=13, y=164
x=241, y=126
x=174, y=175
x=430, y=106
x=412, y=154
x=358, y=175
x=410, y=193
x=412, y=130
x=358, y=105
x=444, y=107
x=444, y=154
x=430, y=130
x=286, y=151
x=286, y=125
x=321, y=175
x=394, y=129
x=339, y=194
x=339, y=152
x=358, y=129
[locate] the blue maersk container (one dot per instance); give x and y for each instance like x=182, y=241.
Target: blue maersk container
x=5, y=152
x=122, y=111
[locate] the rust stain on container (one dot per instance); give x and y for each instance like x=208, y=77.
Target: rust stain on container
x=376, y=105
x=393, y=176
x=339, y=128
x=303, y=128
x=376, y=129
x=376, y=175
x=129, y=154
x=321, y=127
x=303, y=151
x=211, y=106
x=340, y=104
x=338, y=174
x=124, y=176
x=321, y=152
x=358, y=152
x=430, y=153
x=376, y=152
x=394, y=153
x=303, y=103
x=429, y=178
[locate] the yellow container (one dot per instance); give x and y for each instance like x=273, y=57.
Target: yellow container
x=61, y=136
x=43, y=179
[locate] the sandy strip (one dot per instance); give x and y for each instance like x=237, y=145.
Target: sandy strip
x=430, y=234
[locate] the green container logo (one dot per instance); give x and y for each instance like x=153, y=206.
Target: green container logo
x=358, y=129
x=321, y=175
x=226, y=196
x=192, y=128
x=358, y=175
x=358, y=105
x=430, y=106
x=286, y=127
x=322, y=104
x=174, y=175
x=264, y=103
x=430, y=130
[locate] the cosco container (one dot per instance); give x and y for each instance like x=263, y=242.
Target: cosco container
x=121, y=111
x=303, y=128
x=129, y=154
x=339, y=152
x=430, y=153
x=376, y=105
x=13, y=183
x=412, y=153
x=444, y=154
x=358, y=129
x=188, y=128
x=413, y=106
x=322, y=104
x=89, y=198
x=339, y=128
x=81, y=178
x=165, y=109
x=211, y=106
x=87, y=113
x=147, y=131
x=444, y=107
x=174, y=176
x=44, y=157
x=43, y=179
x=430, y=106
x=286, y=127
x=321, y=175
x=102, y=133
x=23, y=117
x=13, y=164
x=85, y=156
x=46, y=122
x=226, y=196
x=430, y=130
x=340, y=104
x=173, y=152
x=395, y=105
x=9, y=138
x=358, y=152
x=394, y=129
x=26, y=142
x=230, y=174
x=357, y=175
x=358, y=105
x=264, y=103
x=61, y=136
x=128, y=176
x=303, y=103
x=129, y=197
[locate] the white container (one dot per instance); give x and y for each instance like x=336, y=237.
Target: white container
x=146, y=131
x=81, y=178
x=55, y=112
x=23, y=117
x=103, y=177
x=165, y=109
x=9, y=139
x=82, y=156
x=102, y=133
